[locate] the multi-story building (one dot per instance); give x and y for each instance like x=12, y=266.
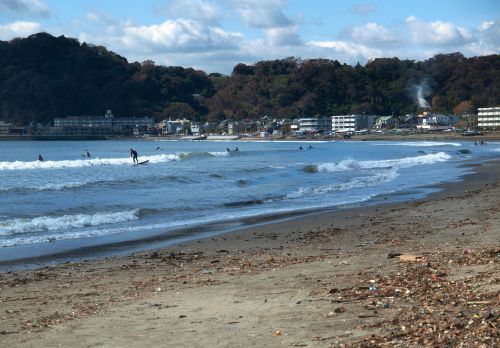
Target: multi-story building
x=234, y=128
x=175, y=126
x=488, y=118
x=314, y=125
x=5, y=128
x=352, y=122
x=102, y=125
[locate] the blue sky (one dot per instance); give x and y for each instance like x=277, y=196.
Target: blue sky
x=215, y=35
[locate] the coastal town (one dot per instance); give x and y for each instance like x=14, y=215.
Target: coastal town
x=252, y=173
x=266, y=127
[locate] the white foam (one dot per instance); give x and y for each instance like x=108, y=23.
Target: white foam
x=59, y=223
x=220, y=153
x=396, y=163
x=357, y=182
x=80, y=163
x=417, y=143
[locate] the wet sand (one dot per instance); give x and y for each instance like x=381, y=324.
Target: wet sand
x=328, y=279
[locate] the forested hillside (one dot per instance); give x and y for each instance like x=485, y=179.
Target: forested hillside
x=383, y=86
x=42, y=77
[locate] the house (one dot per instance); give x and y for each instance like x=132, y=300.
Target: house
x=195, y=128
x=386, y=122
x=174, y=126
x=430, y=121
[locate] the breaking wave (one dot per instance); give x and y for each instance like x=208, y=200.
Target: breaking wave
x=393, y=163
x=218, y=154
x=80, y=163
x=358, y=182
x=65, y=222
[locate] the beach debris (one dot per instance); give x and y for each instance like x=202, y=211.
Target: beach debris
x=411, y=258
x=330, y=314
x=436, y=306
x=277, y=332
x=339, y=310
x=393, y=255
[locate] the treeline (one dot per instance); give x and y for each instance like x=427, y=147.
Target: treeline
x=42, y=77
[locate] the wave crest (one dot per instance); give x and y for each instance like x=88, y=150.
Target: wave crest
x=396, y=163
x=59, y=223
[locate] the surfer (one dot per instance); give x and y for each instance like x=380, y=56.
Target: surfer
x=228, y=149
x=310, y=147
x=40, y=158
x=300, y=147
x=88, y=154
x=236, y=149
x=133, y=154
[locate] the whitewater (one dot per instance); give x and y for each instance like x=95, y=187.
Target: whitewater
x=195, y=189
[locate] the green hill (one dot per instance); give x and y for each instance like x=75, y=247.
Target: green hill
x=43, y=77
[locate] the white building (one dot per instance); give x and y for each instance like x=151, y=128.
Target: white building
x=5, y=128
x=313, y=125
x=195, y=129
x=101, y=125
x=435, y=121
x=174, y=126
x=352, y=122
x=488, y=118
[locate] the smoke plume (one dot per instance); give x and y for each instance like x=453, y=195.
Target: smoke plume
x=421, y=94
x=420, y=91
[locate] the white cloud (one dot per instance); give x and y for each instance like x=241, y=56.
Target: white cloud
x=18, y=29
x=485, y=25
x=489, y=33
x=362, y=9
x=262, y=13
x=180, y=34
x=371, y=33
x=200, y=10
x=33, y=7
x=347, y=49
x=283, y=36
x=437, y=33
x=487, y=39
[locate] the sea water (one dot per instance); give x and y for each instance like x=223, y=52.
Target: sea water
x=194, y=189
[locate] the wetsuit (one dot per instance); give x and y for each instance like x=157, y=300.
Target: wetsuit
x=133, y=154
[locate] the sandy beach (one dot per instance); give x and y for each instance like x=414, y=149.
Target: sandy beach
x=418, y=273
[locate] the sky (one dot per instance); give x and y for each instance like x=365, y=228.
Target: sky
x=215, y=35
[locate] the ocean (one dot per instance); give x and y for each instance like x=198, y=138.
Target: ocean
x=71, y=206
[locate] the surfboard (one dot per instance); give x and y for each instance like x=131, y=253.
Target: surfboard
x=144, y=162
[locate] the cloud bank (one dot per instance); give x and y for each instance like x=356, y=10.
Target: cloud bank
x=198, y=33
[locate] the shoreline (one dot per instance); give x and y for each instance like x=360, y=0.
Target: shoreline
x=487, y=136
x=300, y=282
x=193, y=234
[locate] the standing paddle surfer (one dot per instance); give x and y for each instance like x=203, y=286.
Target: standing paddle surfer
x=133, y=154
